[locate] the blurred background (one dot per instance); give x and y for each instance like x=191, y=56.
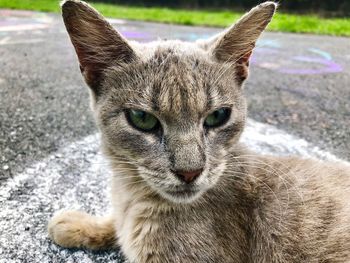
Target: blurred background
x=330, y=17
x=322, y=7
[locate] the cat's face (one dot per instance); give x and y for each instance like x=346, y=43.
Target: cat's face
x=169, y=111
x=180, y=113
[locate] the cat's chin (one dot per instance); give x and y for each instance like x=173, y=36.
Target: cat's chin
x=182, y=196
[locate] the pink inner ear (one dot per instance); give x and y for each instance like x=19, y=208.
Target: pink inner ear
x=242, y=67
x=245, y=58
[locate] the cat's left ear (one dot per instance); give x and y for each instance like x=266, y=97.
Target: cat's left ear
x=235, y=45
x=97, y=44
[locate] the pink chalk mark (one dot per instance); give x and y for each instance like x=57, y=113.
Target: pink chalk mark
x=329, y=66
x=321, y=65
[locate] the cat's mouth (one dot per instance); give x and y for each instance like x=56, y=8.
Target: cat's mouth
x=185, y=194
x=175, y=190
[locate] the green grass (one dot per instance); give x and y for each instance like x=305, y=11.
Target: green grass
x=282, y=22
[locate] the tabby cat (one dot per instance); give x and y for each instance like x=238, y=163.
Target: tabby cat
x=184, y=189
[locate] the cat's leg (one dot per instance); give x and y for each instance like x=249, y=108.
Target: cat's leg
x=76, y=229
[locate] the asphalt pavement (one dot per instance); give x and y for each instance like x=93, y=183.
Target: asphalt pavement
x=299, y=103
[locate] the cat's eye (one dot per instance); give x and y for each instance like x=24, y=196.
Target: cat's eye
x=142, y=120
x=217, y=118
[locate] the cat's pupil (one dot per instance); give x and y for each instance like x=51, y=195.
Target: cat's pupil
x=141, y=115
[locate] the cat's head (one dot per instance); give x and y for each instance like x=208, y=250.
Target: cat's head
x=169, y=111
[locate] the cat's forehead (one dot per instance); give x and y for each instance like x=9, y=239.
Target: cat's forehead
x=177, y=84
x=186, y=79
x=176, y=78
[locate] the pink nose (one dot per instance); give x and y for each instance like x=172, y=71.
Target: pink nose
x=188, y=176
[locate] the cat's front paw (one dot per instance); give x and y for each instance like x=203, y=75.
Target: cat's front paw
x=75, y=229
x=69, y=228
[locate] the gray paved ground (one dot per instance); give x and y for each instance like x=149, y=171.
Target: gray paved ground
x=299, y=83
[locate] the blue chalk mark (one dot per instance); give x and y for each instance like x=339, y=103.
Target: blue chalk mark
x=324, y=54
x=268, y=43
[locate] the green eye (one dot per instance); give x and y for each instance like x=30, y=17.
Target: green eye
x=217, y=118
x=142, y=120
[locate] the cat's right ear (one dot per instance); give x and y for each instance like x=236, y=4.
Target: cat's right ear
x=97, y=44
x=235, y=45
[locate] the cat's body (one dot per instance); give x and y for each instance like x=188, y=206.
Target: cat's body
x=184, y=189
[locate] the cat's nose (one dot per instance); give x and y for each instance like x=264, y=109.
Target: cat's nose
x=188, y=176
